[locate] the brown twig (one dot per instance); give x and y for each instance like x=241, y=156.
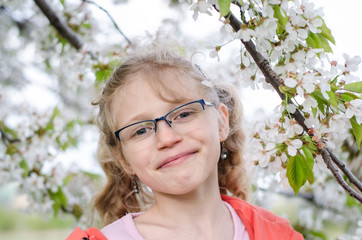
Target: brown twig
x=112, y=19
x=341, y=165
x=5, y=138
x=62, y=27
x=272, y=78
x=328, y=161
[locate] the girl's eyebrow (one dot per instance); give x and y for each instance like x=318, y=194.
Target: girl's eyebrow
x=147, y=115
x=136, y=118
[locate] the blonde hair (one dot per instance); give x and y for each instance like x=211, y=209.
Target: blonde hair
x=117, y=197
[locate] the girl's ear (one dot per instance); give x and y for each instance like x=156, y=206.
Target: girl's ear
x=223, y=122
x=124, y=164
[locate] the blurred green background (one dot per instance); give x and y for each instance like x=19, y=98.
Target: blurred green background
x=16, y=224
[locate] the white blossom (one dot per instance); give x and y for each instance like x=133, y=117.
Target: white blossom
x=296, y=32
x=245, y=34
x=284, y=180
x=309, y=103
x=293, y=146
x=324, y=86
x=214, y=54
x=354, y=108
x=351, y=64
x=359, y=229
x=290, y=82
x=319, y=165
x=265, y=31
x=292, y=127
x=291, y=108
x=201, y=6
x=314, y=24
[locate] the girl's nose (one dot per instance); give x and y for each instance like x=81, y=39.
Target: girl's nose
x=166, y=136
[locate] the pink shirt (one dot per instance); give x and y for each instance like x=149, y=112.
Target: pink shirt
x=125, y=228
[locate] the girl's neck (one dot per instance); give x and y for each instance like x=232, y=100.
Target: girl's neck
x=202, y=202
x=196, y=204
x=198, y=214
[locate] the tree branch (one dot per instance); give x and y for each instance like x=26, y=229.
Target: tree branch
x=109, y=15
x=5, y=138
x=22, y=24
x=341, y=165
x=328, y=161
x=272, y=78
x=263, y=64
x=62, y=27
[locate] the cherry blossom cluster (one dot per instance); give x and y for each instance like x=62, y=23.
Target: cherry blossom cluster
x=33, y=139
x=291, y=35
x=294, y=39
x=282, y=32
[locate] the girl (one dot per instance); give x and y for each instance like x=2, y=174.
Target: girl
x=171, y=147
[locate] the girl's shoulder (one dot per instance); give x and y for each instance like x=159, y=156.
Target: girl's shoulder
x=121, y=229
x=261, y=223
x=251, y=212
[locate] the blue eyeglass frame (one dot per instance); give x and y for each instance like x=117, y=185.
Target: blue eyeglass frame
x=169, y=123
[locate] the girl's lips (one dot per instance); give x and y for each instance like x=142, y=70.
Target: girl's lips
x=175, y=160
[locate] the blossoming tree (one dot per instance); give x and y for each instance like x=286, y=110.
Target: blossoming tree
x=311, y=144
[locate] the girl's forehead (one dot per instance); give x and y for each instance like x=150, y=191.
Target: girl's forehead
x=140, y=92
x=170, y=85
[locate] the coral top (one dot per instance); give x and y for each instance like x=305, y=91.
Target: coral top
x=250, y=222
x=125, y=228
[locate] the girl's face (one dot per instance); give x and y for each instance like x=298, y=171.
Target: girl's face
x=173, y=161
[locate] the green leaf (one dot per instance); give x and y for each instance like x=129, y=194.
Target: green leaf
x=93, y=176
x=7, y=130
x=318, y=41
x=295, y=174
x=101, y=75
x=357, y=130
x=67, y=179
x=86, y=25
x=334, y=82
x=354, y=87
x=318, y=96
x=70, y=125
x=313, y=40
x=24, y=165
x=324, y=43
x=224, y=6
x=77, y=211
x=299, y=170
x=282, y=17
x=309, y=163
x=55, y=114
x=352, y=202
x=347, y=96
x=104, y=70
x=11, y=149
x=326, y=32
x=310, y=144
x=288, y=91
x=318, y=234
x=59, y=200
x=332, y=99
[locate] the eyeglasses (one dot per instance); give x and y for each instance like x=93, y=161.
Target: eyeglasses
x=181, y=118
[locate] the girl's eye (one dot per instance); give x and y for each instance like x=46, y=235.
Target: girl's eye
x=141, y=131
x=184, y=114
